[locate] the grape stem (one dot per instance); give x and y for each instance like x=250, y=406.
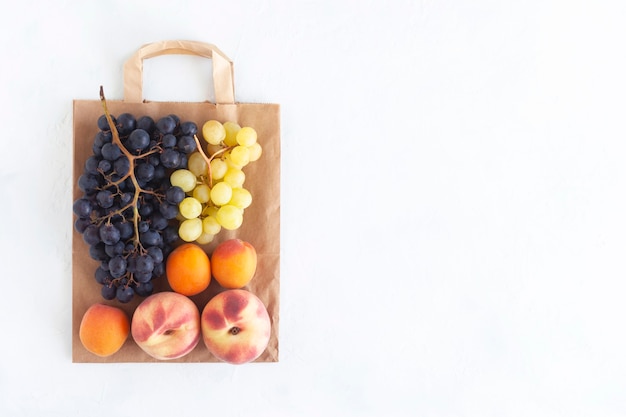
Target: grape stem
x=209, y=158
x=130, y=174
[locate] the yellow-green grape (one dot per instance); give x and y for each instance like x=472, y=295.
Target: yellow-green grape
x=197, y=164
x=202, y=193
x=190, y=208
x=240, y=155
x=234, y=177
x=209, y=211
x=255, y=151
x=229, y=161
x=205, y=238
x=246, y=136
x=221, y=193
x=190, y=229
x=232, y=129
x=218, y=169
x=210, y=225
x=241, y=198
x=184, y=179
x=213, y=132
x=230, y=217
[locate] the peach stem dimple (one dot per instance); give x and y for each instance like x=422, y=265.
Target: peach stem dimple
x=234, y=330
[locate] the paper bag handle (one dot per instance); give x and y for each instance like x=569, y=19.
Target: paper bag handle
x=222, y=68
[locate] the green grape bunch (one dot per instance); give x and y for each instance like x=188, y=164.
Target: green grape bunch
x=212, y=192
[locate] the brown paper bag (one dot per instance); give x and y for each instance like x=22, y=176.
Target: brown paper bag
x=261, y=225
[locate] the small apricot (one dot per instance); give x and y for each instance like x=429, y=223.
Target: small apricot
x=188, y=269
x=104, y=329
x=233, y=263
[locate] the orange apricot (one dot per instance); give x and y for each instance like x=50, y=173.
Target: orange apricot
x=104, y=329
x=188, y=269
x=233, y=263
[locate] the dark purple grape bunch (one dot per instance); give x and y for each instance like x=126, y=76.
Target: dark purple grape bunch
x=127, y=210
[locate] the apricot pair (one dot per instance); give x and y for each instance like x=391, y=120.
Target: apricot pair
x=189, y=269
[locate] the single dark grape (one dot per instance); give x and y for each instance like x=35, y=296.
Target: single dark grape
x=154, y=160
x=104, y=265
x=144, y=289
x=117, y=266
x=169, y=211
x=91, y=165
x=105, y=166
x=121, y=165
x=150, y=238
x=143, y=226
x=158, y=221
x=186, y=144
x=144, y=172
x=105, y=198
x=125, y=123
x=170, y=158
x=124, y=294
x=156, y=254
x=168, y=141
x=81, y=224
x=102, y=276
x=159, y=270
x=97, y=252
x=145, y=123
x=174, y=195
x=108, y=291
x=91, y=235
x=115, y=249
x=146, y=210
x=142, y=277
x=103, y=124
x=102, y=137
x=170, y=234
x=144, y=263
x=111, y=151
x=166, y=125
x=138, y=140
x=82, y=208
x=175, y=118
x=188, y=129
x=109, y=234
x=160, y=173
x=126, y=198
x=126, y=230
x=88, y=183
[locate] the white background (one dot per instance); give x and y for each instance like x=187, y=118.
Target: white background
x=453, y=204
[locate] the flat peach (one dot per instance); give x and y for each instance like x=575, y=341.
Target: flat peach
x=166, y=325
x=236, y=327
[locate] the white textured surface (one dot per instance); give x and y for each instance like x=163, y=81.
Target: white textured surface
x=453, y=204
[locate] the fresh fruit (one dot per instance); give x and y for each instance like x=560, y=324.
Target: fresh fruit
x=188, y=268
x=128, y=200
x=246, y=136
x=213, y=132
x=184, y=179
x=166, y=325
x=236, y=327
x=214, y=181
x=233, y=263
x=103, y=329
